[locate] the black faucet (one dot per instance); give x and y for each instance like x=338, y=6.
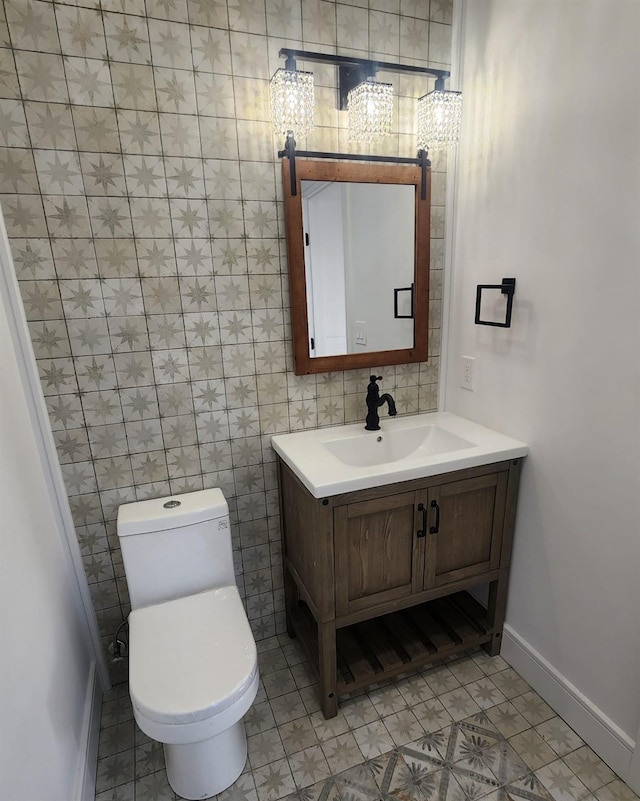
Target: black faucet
x=375, y=401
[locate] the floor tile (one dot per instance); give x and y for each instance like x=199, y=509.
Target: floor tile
x=411, y=781
x=509, y=683
x=264, y=748
x=529, y=787
x=465, y=670
x=431, y=748
x=278, y=683
x=114, y=770
x=508, y=766
x=298, y=734
x=359, y=712
x=561, y=782
x=244, y=789
x=328, y=729
x=469, y=729
x=589, y=767
x=149, y=758
x=117, y=711
x=288, y=707
x=432, y=715
x=403, y=727
x=388, y=700
x=533, y=749
x=310, y=698
x=358, y=784
x=373, y=739
x=342, y=752
x=559, y=736
x=116, y=738
x=259, y=718
x=489, y=664
x=616, y=791
x=274, y=780
x=532, y=708
x=507, y=719
x=441, y=680
x=154, y=787
x=485, y=693
x=309, y=766
x=303, y=675
x=458, y=703
x=414, y=690
x=124, y=792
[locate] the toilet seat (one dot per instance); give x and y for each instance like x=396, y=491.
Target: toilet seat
x=191, y=658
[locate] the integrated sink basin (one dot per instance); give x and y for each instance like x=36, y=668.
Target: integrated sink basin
x=330, y=461
x=364, y=450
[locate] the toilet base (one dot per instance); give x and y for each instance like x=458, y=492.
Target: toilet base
x=201, y=770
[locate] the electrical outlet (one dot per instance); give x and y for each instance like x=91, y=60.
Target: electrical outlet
x=468, y=373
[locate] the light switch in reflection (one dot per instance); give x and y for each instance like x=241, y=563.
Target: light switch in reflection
x=361, y=332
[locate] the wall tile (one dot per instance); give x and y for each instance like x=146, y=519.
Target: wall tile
x=42, y=76
x=81, y=32
x=13, y=125
x=32, y=26
x=127, y=38
x=146, y=226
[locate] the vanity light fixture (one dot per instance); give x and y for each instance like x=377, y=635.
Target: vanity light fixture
x=439, y=116
x=370, y=106
x=292, y=101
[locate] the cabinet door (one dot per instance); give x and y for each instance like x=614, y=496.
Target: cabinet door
x=469, y=536
x=376, y=552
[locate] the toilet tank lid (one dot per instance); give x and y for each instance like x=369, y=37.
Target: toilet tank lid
x=160, y=514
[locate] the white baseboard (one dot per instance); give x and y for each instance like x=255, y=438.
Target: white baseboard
x=611, y=744
x=87, y=764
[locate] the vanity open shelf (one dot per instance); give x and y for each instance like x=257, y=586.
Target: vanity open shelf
x=378, y=581
x=385, y=646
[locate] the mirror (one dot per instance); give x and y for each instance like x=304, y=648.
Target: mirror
x=358, y=247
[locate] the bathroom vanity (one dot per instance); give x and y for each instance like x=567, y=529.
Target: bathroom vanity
x=386, y=536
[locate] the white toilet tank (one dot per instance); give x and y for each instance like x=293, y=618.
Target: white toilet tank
x=177, y=546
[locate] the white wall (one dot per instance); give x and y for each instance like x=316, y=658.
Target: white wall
x=549, y=192
x=45, y=660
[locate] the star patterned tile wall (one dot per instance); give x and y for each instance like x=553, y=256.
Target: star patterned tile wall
x=142, y=196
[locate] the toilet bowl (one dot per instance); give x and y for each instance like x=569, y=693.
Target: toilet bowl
x=193, y=674
x=193, y=669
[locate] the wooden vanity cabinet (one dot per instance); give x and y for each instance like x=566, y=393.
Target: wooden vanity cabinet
x=376, y=581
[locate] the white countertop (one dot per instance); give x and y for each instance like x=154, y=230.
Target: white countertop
x=309, y=453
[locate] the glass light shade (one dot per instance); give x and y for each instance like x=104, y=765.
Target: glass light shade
x=370, y=108
x=292, y=102
x=439, y=115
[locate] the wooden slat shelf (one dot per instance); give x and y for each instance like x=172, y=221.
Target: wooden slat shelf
x=385, y=646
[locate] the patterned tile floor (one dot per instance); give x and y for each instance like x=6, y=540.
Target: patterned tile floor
x=463, y=730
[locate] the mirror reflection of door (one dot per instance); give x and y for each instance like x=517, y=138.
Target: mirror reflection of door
x=359, y=247
x=322, y=211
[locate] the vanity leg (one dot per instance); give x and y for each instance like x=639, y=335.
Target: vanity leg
x=327, y=668
x=290, y=601
x=496, y=611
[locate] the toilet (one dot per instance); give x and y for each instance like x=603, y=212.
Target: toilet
x=193, y=665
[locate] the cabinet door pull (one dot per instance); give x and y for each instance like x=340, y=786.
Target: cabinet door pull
x=422, y=531
x=436, y=528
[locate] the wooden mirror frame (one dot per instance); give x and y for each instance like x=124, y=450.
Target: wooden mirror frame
x=354, y=173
